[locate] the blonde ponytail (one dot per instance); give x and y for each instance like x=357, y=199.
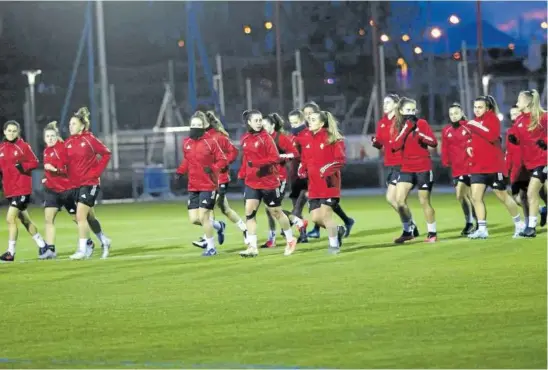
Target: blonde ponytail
x=215, y=122
x=83, y=115
x=332, y=128
x=534, y=107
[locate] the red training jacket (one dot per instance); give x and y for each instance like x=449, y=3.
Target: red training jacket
x=322, y=163
x=384, y=138
x=229, y=150
x=14, y=182
x=514, y=163
x=84, y=169
x=414, y=146
x=453, y=149
x=197, y=155
x=485, y=149
x=259, y=149
x=287, y=149
x=532, y=155
x=294, y=164
x=57, y=181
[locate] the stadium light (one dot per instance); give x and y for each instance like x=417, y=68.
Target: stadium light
x=268, y=25
x=544, y=25
x=181, y=43
x=247, y=30
x=405, y=38
x=511, y=46
x=417, y=50
x=435, y=33
x=453, y=19
x=385, y=38
x=401, y=61
x=361, y=32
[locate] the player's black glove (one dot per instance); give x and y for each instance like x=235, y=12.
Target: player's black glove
x=224, y=169
x=20, y=168
x=208, y=170
x=513, y=139
x=375, y=143
x=330, y=182
x=263, y=171
x=541, y=144
x=249, y=164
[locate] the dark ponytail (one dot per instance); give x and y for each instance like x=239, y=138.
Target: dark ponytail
x=277, y=122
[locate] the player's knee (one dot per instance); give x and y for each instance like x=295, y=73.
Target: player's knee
x=251, y=215
x=316, y=217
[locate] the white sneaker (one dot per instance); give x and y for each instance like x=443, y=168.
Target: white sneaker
x=250, y=252
x=79, y=255
x=89, y=250
x=290, y=247
x=479, y=234
x=106, y=248
x=519, y=229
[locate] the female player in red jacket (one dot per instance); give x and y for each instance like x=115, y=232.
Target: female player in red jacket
x=322, y=157
x=309, y=109
x=259, y=171
x=273, y=124
x=414, y=140
x=384, y=140
x=203, y=161
x=16, y=163
x=454, y=140
x=59, y=192
x=531, y=135
x=216, y=131
x=298, y=186
x=84, y=170
x=487, y=167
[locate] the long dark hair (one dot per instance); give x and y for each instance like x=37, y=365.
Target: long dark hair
x=457, y=105
x=490, y=103
x=277, y=122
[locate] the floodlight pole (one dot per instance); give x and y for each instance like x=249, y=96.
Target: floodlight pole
x=31, y=78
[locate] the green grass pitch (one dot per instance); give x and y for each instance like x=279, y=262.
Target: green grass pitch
x=156, y=303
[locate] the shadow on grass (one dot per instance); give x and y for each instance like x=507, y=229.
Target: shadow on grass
x=141, y=249
x=364, y=233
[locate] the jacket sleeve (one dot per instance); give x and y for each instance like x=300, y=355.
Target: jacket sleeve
x=445, y=160
x=103, y=151
x=62, y=169
x=30, y=162
x=490, y=130
x=183, y=167
x=379, y=140
x=339, y=159
x=426, y=136
x=243, y=168
x=288, y=147
x=272, y=154
x=231, y=151
x=402, y=136
x=219, y=158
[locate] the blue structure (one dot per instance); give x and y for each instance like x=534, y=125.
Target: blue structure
x=194, y=40
x=156, y=182
x=87, y=37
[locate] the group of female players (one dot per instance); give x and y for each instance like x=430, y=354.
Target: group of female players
x=71, y=180
x=472, y=148
x=315, y=149
x=315, y=153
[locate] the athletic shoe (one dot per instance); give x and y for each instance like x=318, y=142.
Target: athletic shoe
x=349, y=226
x=405, y=236
x=79, y=255
x=529, y=232
x=209, y=252
x=290, y=247
x=90, y=247
x=333, y=250
x=270, y=243
x=302, y=233
x=468, y=229
x=416, y=233
x=200, y=243
x=520, y=227
x=543, y=213
x=106, y=248
x=249, y=252
x=7, y=257
x=341, y=232
x=479, y=234
x=46, y=253
x=314, y=234
x=221, y=233
x=431, y=238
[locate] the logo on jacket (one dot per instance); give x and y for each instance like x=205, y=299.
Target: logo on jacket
x=449, y=135
x=69, y=146
x=51, y=154
x=83, y=145
x=464, y=132
x=16, y=153
x=321, y=146
x=257, y=144
x=382, y=125
x=1, y=154
x=188, y=146
x=307, y=146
